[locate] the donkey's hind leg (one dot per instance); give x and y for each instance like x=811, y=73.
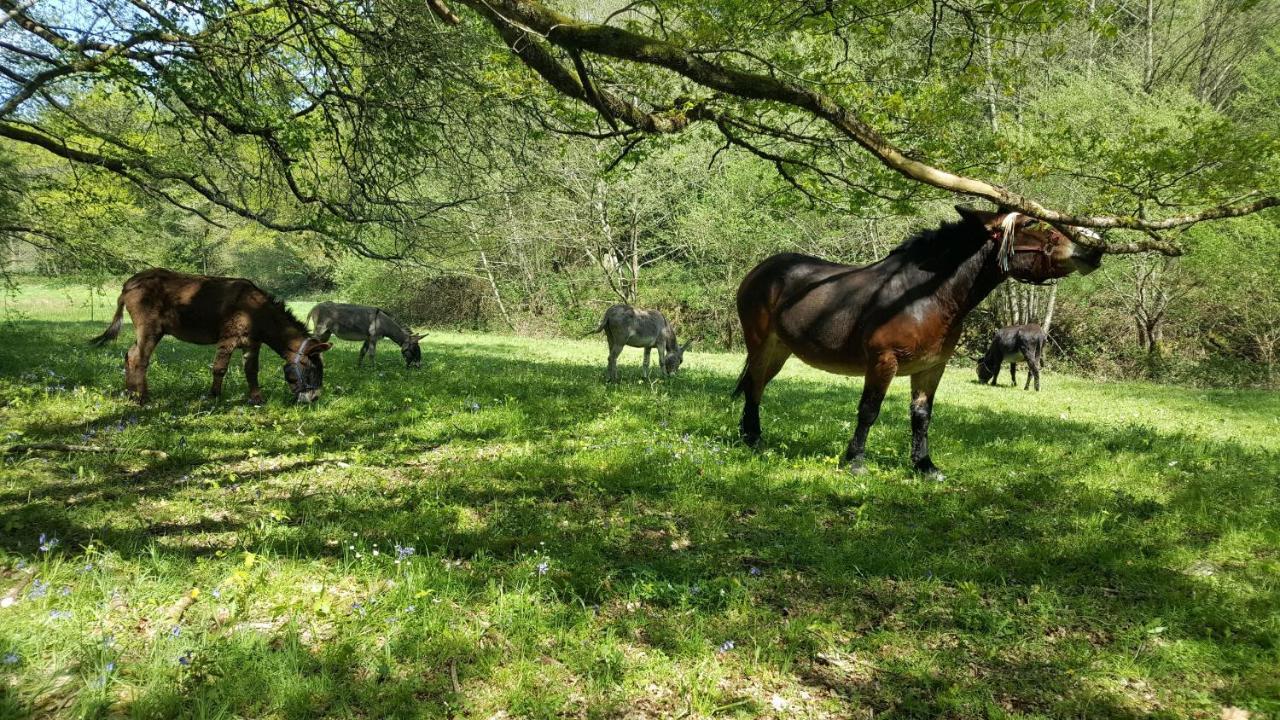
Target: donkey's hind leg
x=763, y=363
x=136, y=362
x=646, y=363
x=363, y=349
x=221, y=359
x=612, y=371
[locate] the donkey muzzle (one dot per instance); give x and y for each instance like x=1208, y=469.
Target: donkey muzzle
x=1085, y=259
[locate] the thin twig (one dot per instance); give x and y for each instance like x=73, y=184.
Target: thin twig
x=62, y=447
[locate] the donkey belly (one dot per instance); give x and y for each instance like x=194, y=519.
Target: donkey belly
x=349, y=334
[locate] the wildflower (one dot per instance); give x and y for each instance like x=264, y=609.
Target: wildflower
x=403, y=551
x=11, y=658
x=411, y=608
x=110, y=666
x=47, y=543
x=185, y=658
x=695, y=590
x=87, y=568
x=754, y=571
x=109, y=641
x=38, y=589
x=176, y=631
x=59, y=614
x=65, y=591
x=543, y=567
x=726, y=646
x=216, y=593
x=474, y=406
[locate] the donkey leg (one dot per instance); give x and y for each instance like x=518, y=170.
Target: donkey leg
x=373, y=350
x=363, y=349
x=646, y=363
x=874, y=387
x=221, y=359
x=612, y=370
x=924, y=385
x=136, y=362
x=1013, y=374
x=250, y=355
x=1033, y=372
x=762, y=365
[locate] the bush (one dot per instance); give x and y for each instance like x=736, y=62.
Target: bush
x=418, y=296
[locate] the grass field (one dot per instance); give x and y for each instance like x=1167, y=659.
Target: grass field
x=500, y=534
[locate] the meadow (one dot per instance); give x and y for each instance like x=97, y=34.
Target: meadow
x=502, y=534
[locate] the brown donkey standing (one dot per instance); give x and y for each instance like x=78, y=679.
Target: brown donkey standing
x=899, y=316
x=231, y=313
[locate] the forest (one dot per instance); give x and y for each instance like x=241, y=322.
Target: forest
x=387, y=155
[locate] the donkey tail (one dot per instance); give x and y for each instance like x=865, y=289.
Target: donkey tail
x=744, y=380
x=113, y=329
x=599, y=328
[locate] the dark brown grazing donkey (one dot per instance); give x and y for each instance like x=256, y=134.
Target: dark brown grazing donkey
x=228, y=312
x=899, y=316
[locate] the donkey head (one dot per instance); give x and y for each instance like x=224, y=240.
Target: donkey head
x=675, y=357
x=411, y=351
x=304, y=370
x=1032, y=250
x=985, y=373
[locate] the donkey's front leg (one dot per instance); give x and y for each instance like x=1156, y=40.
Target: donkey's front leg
x=251, y=373
x=221, y=359
x=874, y=387
x=363, y=349
x=924, y=385
x=646, y=363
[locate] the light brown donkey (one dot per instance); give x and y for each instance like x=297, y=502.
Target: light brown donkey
x=231, y=313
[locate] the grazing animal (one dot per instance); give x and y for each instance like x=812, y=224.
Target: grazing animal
x=899, y=316
x=1011, y=344
x=361, y=322
x=231, y=313
x=624, y=325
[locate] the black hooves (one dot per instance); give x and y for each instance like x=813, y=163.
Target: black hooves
x=926, y=468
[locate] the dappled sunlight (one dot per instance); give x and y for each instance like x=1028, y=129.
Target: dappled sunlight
x=576, y=544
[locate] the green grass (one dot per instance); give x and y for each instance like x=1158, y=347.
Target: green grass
x=582, y=550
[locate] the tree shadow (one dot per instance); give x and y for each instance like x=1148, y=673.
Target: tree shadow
x=486, y=454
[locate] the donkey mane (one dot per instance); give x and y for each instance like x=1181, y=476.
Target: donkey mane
x=929, y=243
x=278, y=304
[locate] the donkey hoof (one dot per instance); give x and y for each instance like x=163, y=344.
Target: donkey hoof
x=255, y=400
x=856, y=466
x=751, y=440
x=929, y=470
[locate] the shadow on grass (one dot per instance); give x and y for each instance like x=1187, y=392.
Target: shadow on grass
x=483, y=454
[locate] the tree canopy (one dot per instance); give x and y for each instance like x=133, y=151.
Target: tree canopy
x=367, y=123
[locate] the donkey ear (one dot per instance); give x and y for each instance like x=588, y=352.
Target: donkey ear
x=984, y=217
x=318, y=348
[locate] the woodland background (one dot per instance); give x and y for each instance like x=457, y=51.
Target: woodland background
x=434, y=177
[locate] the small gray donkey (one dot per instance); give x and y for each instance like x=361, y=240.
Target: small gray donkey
x=624, y=326
x=361, y=322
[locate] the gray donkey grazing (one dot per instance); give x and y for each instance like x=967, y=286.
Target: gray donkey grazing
x=361, y=322
x=1011, y=344
x=624, y=325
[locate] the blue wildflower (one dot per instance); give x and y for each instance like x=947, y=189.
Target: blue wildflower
x=403, y=551
x=47, y=543
x=216, y=593
x=38, y=589
x=754, y=571
x=59, y=614
x=185, y=658
x=543, y=567
x=726, y=646
x=11, y=658
x=411, y=608
x=65, y=591
x=110, y=667
x=176, y=631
